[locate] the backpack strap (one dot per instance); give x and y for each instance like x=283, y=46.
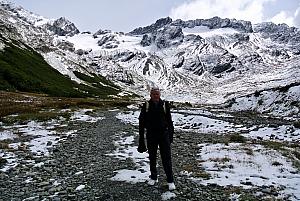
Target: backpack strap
x=147, y=106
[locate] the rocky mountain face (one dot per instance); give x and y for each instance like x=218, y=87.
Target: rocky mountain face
x=62, y=27
x=209, y=61
x=41, y=34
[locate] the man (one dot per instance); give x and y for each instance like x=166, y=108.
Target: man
x=156, y=118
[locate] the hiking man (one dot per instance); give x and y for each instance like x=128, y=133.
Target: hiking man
x=156, y=118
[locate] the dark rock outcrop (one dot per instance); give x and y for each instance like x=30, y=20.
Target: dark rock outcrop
x=62, y=27
x=101, y=32
x=153, y=27
x=169, y=36
x=147, y=40
x=65, y=45
x=216, y=23
x=108, y=41
x=281, y=33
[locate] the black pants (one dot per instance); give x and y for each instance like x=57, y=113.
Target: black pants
x=165, y=152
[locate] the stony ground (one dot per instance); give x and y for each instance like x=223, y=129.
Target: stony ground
x=83, y=160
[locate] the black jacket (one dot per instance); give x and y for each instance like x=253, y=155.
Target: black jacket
x=156, y=119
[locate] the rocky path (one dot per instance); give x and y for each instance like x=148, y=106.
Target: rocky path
x=80, y=169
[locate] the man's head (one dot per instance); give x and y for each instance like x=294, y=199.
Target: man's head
x=155, y=94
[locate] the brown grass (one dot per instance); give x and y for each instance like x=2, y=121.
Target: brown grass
x=4, y=145
x=196, y=171
x=29, y=103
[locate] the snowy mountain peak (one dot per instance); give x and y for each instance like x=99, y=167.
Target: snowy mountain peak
x=216, y=23
x=153, y=27
x=212, y=23
x=62, y=27
x=22, y=14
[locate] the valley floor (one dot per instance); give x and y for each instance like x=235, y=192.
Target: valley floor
x=91, y=155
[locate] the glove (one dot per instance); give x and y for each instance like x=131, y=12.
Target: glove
x=142, y=147
x=170, y=134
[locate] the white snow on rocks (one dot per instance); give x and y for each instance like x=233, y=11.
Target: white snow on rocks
x=245, y=165
x=249, y=166
x=44, y=136
x=126, y=150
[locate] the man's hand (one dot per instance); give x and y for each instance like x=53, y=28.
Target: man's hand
x=142, y=147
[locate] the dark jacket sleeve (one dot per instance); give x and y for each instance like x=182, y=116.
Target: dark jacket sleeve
x=169, y=121
x=142, y=122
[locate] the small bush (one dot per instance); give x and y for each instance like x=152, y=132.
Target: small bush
x=260, y=102
x=247, y=197
x=276, y=163
x=4, y=145
x=3, y=161
x=257, y=93
x=273, y=145
x=249, y=151
x=296, y=164
x=237, y=138
x=296, y=124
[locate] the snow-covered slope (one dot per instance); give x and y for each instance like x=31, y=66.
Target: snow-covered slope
x=207, y=61
x=195, y=64
x=282, y=101
x=42, y=35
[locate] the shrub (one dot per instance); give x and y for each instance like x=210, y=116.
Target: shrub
x=296, y=124
x=257, y=93
x=2, y=161
x=237, y=138
x=276, y=163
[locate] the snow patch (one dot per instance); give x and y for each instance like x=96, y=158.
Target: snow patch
x=272, y=101
x=44, y=136
x=11, y=160
x=168, y=195
x=2, y=46
x=130, y=117
x=282, y=133
x=82, y=116
x=248, y=166
x=126, y=150
x=80, y=187
x=12, y=20
x=56, y=61
x=7, y=135
x=205, y=32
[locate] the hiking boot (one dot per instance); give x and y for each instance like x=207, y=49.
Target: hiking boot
x=151, y=182
x=171, y=186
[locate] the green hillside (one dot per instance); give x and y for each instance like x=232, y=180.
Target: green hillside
x=23, y=69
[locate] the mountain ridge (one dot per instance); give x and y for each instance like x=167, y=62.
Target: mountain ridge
x=202, y=61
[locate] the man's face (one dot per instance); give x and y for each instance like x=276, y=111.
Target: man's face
x=155, y=96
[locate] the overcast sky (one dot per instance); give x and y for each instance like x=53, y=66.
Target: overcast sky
x=125, y=15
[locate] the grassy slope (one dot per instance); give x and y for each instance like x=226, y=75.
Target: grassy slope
x=26, y=70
